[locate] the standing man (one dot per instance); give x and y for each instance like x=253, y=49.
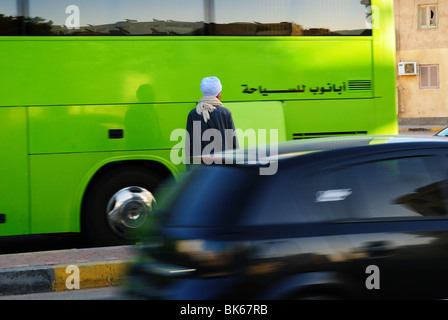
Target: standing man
x=210, y=127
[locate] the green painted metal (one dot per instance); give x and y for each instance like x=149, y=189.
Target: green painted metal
x=14, y=174
x=60, y=96
x=59, y=182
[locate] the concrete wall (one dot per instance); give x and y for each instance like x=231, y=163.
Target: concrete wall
x=425, y=46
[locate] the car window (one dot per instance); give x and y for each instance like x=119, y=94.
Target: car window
x=401, y=187
x=210, y=196
x=272, y=202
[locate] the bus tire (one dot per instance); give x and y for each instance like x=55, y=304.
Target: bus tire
x=117, y=205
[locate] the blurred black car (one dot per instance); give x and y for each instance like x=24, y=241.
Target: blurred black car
x=355, y=217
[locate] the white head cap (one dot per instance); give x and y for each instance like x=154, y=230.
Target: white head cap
x=211, y=86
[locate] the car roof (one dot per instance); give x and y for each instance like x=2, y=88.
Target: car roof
x=260, y=154
x=337, y=143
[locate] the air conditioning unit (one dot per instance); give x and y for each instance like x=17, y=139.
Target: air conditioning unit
x=407, y=68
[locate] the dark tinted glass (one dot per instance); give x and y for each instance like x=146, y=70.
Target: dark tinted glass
x=211, y=196
x=107, y=17
x=183, y=18
x=274, y=201
x=8, y=7
x=12, y=22
x=404, y=187
x=292, y=17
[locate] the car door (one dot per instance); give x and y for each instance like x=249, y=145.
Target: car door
x=390, y=212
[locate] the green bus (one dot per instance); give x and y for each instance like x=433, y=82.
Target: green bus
x=90, y=92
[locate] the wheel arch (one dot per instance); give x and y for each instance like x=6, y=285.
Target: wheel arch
x=161, y=167
x=151, y=165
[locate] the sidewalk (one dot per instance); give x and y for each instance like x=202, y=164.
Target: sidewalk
x=39, y=272
x=416, y=125
x=419, y=129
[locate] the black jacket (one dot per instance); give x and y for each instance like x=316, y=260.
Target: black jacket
x=200, y=140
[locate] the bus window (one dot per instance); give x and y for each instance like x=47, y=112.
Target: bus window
x=291, y=18
x=9, y=22
x=182, y=18
x=115, y=18
x=8, y=8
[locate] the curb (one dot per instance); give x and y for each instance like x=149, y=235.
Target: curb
x=91, y=275
x=73, y=273
x=420, y=129
x=59, y=278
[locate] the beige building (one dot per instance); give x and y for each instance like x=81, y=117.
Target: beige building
x=422, y=58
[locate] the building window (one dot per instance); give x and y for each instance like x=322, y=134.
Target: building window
x=428, y=16
x=429, y=76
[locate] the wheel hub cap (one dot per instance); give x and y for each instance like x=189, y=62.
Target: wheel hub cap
x=128, y=209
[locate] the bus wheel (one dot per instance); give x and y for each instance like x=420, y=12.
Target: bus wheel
x=117, y=206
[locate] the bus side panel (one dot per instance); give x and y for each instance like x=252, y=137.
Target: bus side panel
x=14, y=203
x=302, y=122
x=58, y=183
x=255, y=120
x=384, y=66
x=128, y=70
x=60, y=129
